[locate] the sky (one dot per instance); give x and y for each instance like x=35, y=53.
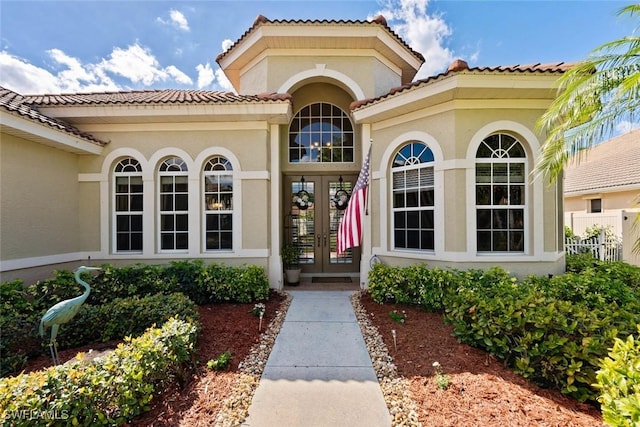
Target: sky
x=103, y=45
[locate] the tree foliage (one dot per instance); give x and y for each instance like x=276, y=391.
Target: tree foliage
x=594, y=95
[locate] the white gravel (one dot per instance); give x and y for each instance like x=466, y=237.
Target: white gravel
x=235, y=408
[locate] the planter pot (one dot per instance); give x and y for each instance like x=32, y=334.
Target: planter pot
x=293, y=276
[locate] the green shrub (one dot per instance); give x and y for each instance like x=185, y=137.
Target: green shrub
x=619, y=382
x=107, y=391
x=17, y=335
x=221, y=362
x=553, y=331
x=47, y=293
x=124, y=317
x=416, y=284
x=243, y=284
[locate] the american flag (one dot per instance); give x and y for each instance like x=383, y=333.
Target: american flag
x=350, y=229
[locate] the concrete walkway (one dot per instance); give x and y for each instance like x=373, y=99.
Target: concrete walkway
x=319, y=372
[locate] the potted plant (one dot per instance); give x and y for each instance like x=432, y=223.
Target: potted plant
x=291, y=260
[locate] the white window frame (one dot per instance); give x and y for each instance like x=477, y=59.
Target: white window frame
x=172, y=167
x=501, y=156
x=317, y=136
x=129, y=168
x=413, y=161
x=217, y=166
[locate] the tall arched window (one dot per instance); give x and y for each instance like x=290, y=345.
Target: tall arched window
x=174, y=205
x=321, y=132
x=413, y=197
x=127, y=203
x=218, y=204
x=500, y=194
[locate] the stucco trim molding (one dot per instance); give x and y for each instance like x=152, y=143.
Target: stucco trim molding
x=322, y=71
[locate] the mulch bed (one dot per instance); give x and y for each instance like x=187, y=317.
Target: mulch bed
x=482, y=391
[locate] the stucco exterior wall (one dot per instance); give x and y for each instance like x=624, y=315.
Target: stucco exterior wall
x=39, y=209
x=611, y=200
x=369, y=73
x=244, y=144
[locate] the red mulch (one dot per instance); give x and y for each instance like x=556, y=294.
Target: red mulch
x=197, y=401
x=482, y=391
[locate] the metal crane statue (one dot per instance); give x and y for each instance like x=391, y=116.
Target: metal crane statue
x=63, y=312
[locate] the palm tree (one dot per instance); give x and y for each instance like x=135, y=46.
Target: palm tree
x=594, y=95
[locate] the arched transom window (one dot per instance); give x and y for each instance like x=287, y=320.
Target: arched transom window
x=413, y=197
x=127, y=202
x=218, y=204
x=500, y=194
x=174, y=205
x=322, y=133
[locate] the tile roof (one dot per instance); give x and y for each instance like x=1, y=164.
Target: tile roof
x=607, y=166
x=261, y=20
x=15, y=103
x=461, y=66
x=163, y=96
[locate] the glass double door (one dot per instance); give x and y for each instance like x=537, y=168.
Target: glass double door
x=316, y=206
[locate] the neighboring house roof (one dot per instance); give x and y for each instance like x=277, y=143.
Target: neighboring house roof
x=459, y=66
x=164, y=96
x=609, y=166
x=15, y=103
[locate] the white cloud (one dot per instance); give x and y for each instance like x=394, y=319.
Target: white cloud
x=176, y=20
x=178, y=75
x=20, y=76
x=206, y=75
x=423, y=32
x=223, y=81
x=179, y=20
x=135, y=65
x=226, y=44
x=626, y=127
x=138, y=65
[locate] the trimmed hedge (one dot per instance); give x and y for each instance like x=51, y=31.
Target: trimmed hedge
x=123, y=301
x=124, y=317
x=552, y=331
x=107, y=391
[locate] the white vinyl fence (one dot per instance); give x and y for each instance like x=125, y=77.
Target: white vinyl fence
x=601, y=247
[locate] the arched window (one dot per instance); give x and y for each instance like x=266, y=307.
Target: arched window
x=413, y=197
x=321, y=133
x=127, y=203
x=500, y=194
x=174, y=205
x=218, y=204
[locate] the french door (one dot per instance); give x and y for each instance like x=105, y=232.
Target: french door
x=316, y=206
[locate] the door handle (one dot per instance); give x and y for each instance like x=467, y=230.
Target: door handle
x=325, y=239
x=318, y=236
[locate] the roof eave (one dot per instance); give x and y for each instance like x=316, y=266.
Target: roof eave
x=272, y=111
x=22, y=127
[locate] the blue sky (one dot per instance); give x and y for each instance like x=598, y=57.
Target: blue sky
x=79, y=46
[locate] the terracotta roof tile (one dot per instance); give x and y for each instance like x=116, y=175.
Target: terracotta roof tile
x=16, y=103
x=459, y=66
x=164, y=96
x=608, y=165
x=262, y=20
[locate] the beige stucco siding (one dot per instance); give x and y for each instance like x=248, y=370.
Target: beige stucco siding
x=255, y=214
x=345, y=70
x=610, y=200
x=90, y=200
x=39, y=209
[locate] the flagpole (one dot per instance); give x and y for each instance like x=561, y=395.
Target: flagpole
x=366, y=201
